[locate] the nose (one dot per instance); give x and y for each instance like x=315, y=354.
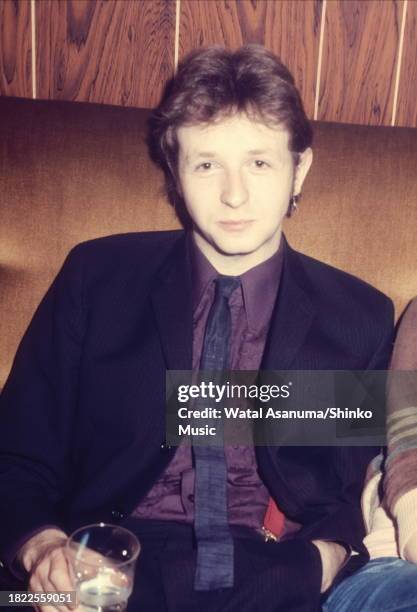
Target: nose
x=234, y=192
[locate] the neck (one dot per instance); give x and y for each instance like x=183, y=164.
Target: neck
x=237, y=264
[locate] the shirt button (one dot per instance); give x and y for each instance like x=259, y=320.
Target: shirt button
x=118, y=515
x=165, y=448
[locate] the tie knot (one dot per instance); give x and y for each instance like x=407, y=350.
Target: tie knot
x=227, y=284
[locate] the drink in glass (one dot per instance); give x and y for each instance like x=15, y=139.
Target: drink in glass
x=103, y=560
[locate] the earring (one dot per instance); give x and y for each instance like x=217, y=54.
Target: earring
x=293, y=205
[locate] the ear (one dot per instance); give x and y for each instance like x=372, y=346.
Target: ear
x=301, y=171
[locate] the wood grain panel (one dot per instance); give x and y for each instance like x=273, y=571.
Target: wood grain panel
x=15, y=49
x=105, y=51
x=407, y=93
x=289, y=28
x=359, y=61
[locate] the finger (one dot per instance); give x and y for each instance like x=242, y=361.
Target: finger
x=35, y=585
x=39, y=578
x=59, y=575
x=50, y=605
x=40, y=583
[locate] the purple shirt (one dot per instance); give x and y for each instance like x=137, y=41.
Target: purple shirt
x=251, y=306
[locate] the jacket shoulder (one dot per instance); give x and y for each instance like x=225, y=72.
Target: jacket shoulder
x=124, y=252
x=347, y=300
x=127, y=244
x=118, y=260
x=341, y=284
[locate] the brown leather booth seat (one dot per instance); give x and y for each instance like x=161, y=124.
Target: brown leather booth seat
x=74, y=171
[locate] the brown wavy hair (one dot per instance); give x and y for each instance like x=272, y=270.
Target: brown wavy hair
x=214, y=82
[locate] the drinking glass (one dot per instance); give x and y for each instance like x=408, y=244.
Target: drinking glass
x=103, y=560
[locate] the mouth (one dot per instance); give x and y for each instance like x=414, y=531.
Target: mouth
x=236, y=226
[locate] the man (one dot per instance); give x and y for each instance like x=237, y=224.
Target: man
x=233, y=140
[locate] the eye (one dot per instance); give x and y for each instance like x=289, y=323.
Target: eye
x=260, y=163
x=205, y=166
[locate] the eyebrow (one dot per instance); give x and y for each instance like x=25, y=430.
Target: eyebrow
x=251, y=152
x=259, y=151
x=206, y=154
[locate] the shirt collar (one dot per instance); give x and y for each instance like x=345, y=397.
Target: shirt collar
x=259, y=284
x=202, y=272
x=260, y=287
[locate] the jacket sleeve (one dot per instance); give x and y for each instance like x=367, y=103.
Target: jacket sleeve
x=37, y=411
x=327, y=503
x=351, y=463
x=344, y=521
x=400, y=479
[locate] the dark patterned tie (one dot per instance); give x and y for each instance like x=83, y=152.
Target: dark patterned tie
x=214, y=540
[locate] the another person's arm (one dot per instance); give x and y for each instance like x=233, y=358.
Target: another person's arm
x=333, y=557
x=400, y=481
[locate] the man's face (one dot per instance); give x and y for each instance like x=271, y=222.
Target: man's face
x=236, y=178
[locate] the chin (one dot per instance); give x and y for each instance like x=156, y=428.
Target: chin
x=236, y=245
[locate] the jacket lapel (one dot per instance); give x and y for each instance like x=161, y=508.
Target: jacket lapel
x=292, y=316
x=171, y=299
x=172, y=302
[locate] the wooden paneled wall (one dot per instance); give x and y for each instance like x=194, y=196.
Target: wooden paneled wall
x=355, y=61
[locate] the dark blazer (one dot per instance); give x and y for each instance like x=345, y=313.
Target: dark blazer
x=82, y=416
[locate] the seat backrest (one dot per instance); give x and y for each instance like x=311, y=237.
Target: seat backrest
x=72, y=171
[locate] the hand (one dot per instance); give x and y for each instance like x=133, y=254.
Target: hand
x=332, y=558
x=410, y=549
x=43, y=557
